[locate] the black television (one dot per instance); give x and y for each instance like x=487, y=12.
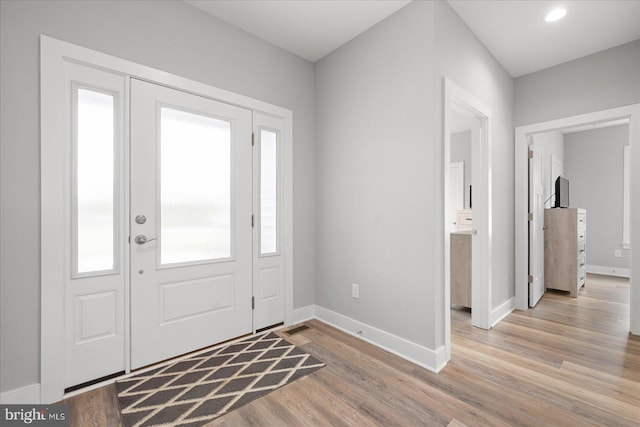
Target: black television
x=562, y=192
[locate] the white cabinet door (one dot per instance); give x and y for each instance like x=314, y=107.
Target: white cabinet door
x=191, y=232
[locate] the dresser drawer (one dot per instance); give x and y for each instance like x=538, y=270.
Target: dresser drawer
x=581, y=235
x=582, y=260
x=582, y=219
x=582, y=274
x=581, y=279
x=581, y=226
x=582, y=248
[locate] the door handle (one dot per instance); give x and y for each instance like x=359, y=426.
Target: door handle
x=141, y=239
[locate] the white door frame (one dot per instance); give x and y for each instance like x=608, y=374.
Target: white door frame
x=54, y=54
x=460, y=100
x=631, y=112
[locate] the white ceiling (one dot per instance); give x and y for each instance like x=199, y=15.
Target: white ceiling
x=308, y=28
x=517, y=35
x=513, y=30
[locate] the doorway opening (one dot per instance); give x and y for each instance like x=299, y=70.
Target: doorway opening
x=467, y=225
x=465, y=130
x=539, y=138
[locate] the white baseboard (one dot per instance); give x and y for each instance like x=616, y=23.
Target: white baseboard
x=302, y=314
x=414, y=353
x=28, y=395
x=609, y=271
x=502, y=311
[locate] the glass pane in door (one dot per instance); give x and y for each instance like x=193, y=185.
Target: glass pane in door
x=195, y=187
x=268, y=192
x=94, y=181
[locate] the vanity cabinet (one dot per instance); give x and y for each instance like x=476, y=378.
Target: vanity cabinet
x=460, y=256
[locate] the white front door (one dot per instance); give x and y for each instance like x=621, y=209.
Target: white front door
x=115, y=149
x=536, y=231
x=191, y=225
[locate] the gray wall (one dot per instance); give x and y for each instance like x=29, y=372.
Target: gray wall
x=593, y=166
x=550, y=143
x=379, y=175
x=460, y=56
x=374, y=194
x=170, y=36
x=596, y=82
x=461, y=152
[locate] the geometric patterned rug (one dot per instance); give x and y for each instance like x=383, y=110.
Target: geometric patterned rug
x=196, y=390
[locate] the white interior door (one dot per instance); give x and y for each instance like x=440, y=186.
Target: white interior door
x=268, y=273
x=536, y=231
x=191, y=231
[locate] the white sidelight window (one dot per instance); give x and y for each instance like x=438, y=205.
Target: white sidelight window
x=268, y=192
x=94, y=181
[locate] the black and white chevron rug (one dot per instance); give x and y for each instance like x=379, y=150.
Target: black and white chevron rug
x=196, y=390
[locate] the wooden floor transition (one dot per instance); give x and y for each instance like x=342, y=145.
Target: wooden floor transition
x=568, y=362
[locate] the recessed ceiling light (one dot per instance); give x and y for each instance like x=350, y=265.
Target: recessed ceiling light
x=555, y=15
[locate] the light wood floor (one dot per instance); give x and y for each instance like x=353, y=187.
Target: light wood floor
x=568, y=362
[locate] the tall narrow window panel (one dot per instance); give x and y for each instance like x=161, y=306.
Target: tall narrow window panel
x=268, y=192
x=95, y=176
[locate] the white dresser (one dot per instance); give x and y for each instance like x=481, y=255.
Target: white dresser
x=565, y=249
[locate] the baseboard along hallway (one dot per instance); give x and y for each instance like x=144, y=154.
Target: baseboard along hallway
x=568, y=362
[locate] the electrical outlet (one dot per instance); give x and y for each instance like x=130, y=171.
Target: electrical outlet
x=618, y=253
x=355, y=290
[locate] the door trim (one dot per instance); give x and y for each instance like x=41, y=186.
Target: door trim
x=456, y=98
x=54, y=54
x=632, y=112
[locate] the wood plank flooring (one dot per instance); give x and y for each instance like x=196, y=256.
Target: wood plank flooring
x=568, y=362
